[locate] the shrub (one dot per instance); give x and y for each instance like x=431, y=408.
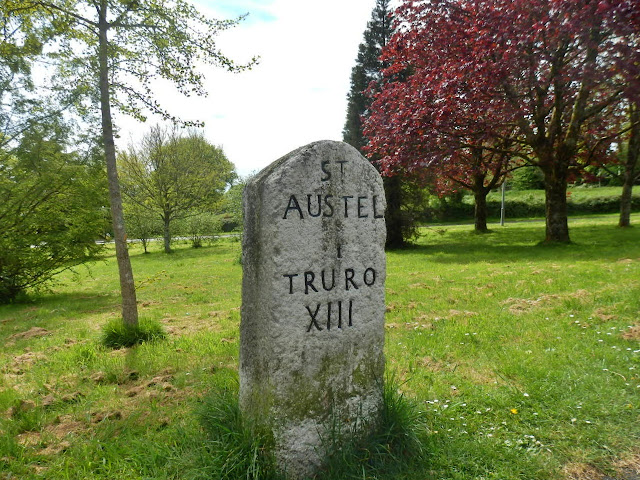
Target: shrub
x=526, y=178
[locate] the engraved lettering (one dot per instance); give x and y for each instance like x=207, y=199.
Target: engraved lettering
x=329, y=316
x=319, y=206
x=373, y=277
x=350, y=313
x=329, y=205
x=346, y=207
x=341, y=162
x=293, y=205
x=333, y=280
x=339, y=313
x=361, y=207
x=314, y=322
x=290, y=280
x=375, y=210
x=309, y=277
x=327, y=173
x=349, y=273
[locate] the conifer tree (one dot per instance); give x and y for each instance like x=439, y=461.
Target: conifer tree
x=364, y=75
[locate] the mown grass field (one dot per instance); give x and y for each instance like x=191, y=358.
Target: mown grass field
x=523, y=359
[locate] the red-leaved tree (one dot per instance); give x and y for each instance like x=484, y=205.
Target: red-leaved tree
x=537, y=81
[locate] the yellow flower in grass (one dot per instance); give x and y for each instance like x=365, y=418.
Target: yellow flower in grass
x=514, y=411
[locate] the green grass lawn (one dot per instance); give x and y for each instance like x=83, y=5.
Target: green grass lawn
x=523, y=359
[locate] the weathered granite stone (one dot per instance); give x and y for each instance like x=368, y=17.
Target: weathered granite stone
x=312, y=330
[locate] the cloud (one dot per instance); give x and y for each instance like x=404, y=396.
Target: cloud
x=296, y=95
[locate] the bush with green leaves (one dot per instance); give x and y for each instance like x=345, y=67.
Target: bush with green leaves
x=53, y=209
x=526, y=178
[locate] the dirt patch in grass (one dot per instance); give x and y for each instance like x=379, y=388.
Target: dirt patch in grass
x=625, y=261
x=188, y=325
x=632, y=333
x=603, y=315
x=629, y=467
x=518, y=306
x=161, y=382
x=52, y=439
x=433, y=364
x=466, y=313
x=23, y=362
x=33, y=332
x=581, y=471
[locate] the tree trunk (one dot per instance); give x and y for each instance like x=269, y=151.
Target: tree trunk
x=167, y=234
x=555, y=189
x=480, y=198
x=633, y=152
x=127, y=285
x=393, y=215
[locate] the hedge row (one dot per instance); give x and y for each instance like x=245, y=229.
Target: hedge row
x=524, y=208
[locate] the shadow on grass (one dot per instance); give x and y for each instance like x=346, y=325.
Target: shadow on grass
x=42, y=309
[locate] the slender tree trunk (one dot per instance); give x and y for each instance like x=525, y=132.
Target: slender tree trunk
x=555, y=189
x=633, y=152
x=393, y=215
x=127, y=285
x=167, y=234
x=480, y=198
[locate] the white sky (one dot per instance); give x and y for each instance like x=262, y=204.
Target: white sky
x=296, y=95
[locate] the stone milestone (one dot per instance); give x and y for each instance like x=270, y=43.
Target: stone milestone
x=312, y=329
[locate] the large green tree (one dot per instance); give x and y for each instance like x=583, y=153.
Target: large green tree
x=50, y=213
x=174, y=176
x=366, y=72
x=113, y=50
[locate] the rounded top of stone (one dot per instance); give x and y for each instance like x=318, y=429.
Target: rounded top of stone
x=314, y=149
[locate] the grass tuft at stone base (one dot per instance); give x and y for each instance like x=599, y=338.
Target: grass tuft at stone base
x=115, y=334
x=236, y=451
x=391, y=449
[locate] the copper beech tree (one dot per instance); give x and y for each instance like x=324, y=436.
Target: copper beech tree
x=537, y=82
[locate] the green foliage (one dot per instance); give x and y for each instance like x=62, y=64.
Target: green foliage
x=199, y=228
x=140, y=50
x=172, y=177
x=52, y=211
x=141, y=224
x=526, y=178
x=231, y=206
x=115, y=334
x=368, y=68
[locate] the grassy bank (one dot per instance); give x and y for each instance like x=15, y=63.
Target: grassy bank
x=526, y=204
x=524, y=360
